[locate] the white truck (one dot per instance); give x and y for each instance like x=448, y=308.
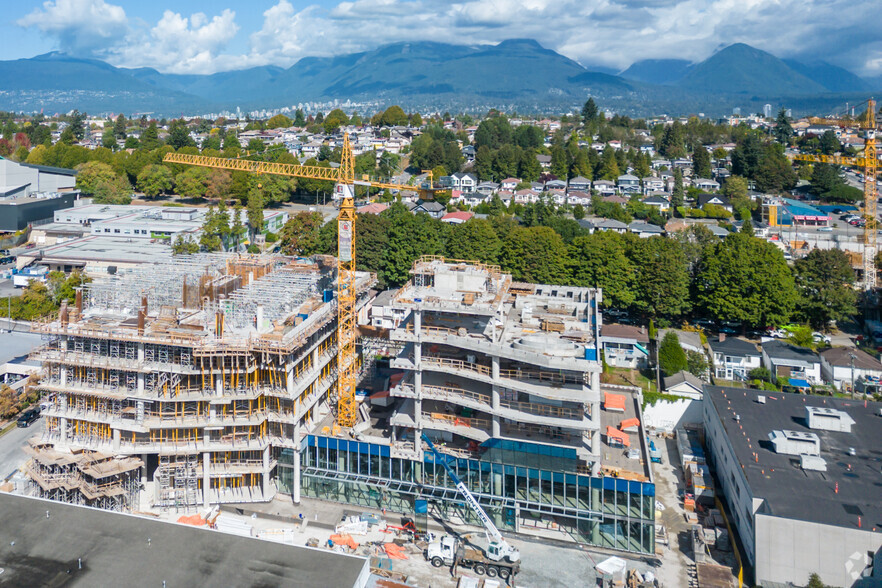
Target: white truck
x=499, y=559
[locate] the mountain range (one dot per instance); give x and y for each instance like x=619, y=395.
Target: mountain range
x=515, y=74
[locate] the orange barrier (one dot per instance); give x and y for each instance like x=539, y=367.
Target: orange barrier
x=395, y=551
x=344, y=540
x=195, y=520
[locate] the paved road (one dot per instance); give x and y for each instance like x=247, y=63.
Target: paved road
x=11, y=453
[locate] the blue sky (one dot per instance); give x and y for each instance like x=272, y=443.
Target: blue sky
x=203, y=36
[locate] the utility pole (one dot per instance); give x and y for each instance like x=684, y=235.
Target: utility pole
x=852, y=356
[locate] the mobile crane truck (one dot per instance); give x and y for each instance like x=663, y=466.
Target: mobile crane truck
x=499, y=559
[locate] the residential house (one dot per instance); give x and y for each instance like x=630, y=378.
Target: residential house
x=474, y=199
x=579, y=184
x=684, y=384
x=605, y=187
x=645, y=230
x=608, y=224
x=487, y=188
x=658, y=201
x=525, y=196
x=555, y=185
x=658, y=164
x=509, y=184
x=544, y=160
x=559, y=197
x=575, y=197
x=706, y=184
x=373, y=208
x=717, y=231
x=733, y=357
x=628, y=183
x=587, y=225
x=717, y=199
x=469, y=152
x=689, y=340
x=625, y=346
x=620, y=200
x=430, y=207
x=463, y=181
x=458, y=217
x=796, y=366
x=653, y=184
x=846, y=365
x=383, y=315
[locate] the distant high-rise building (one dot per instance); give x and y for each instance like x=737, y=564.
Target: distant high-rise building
x=767, y=111
x=736, y=111
x=788, y=113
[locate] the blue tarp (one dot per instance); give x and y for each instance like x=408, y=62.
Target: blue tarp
x=796, y=382
x=641, y=348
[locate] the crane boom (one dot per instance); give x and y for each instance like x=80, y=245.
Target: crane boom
x=344, y=176
x=493, y=534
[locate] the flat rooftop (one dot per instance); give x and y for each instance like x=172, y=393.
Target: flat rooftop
x=125, y=550
x=616, y=458
x=788, y=490
x=104, y=249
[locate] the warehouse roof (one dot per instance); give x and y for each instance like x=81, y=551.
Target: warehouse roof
x=126, y=550
x=787, y=490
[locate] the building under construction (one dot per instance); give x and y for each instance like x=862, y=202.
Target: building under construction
x=181, y=383
x=505, y=377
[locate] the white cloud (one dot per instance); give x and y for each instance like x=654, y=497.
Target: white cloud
x=79, y=25
x=612, y=33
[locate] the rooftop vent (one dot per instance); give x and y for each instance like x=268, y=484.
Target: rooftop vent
x=828, y=419
x=812, y=463
x=795, y=443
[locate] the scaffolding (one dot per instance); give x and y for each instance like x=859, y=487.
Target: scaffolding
x=177, y=482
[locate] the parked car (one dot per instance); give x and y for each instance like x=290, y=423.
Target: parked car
x=776, y=333
x=825, y=230
x=28, y=417
x=821, y=338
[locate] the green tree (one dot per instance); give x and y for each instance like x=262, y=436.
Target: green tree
x=746, y=279
x=279, y=121
x=829, y=143
x=578, y=212
x=150, y=138
x=410, y=236
x=815, y=582
x=255, y=146
x=371, y=241
x=300, y=235
x=679, y=194
x=119, y=127
x=825, y=178
x=783, y=130
x=599, y=261
x=661, y=277
x=474, y=240
x=393, y=116
x=735, y=189
x=254, y=212
x=192, y=182
x=701, y=163
x=535, y=254
x=825, y=282
x=155, y=180
x=589, y=112
x=696, y=363
x=179, y=134
x=90, y=175
x=184, y=245
x=108, y=140
x=671, y=357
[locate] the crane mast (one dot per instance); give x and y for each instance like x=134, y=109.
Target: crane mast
x=869, y=162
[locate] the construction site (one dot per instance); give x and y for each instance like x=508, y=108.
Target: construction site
x=178, y=384
x=504, y=378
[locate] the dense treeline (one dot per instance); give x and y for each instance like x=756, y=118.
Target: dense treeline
x=739, y=278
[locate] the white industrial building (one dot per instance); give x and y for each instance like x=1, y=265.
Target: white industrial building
x=800, y=476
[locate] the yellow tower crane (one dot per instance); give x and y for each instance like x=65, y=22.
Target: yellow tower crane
x=868, y=160
x=344, y=177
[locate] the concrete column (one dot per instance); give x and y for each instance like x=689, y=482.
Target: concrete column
x=295, y=484
x=62, y=423
x=289, y=378
x=140, y=384
x=212, y=412
x=64, y=375
x=417, y=322
x=140, y=410
x=144, y=470
x=494, y=367
x=418, y=403
x=218, y=385
x=140, y=352
x=116, y=439
x=266, y=472
x=206, y=478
